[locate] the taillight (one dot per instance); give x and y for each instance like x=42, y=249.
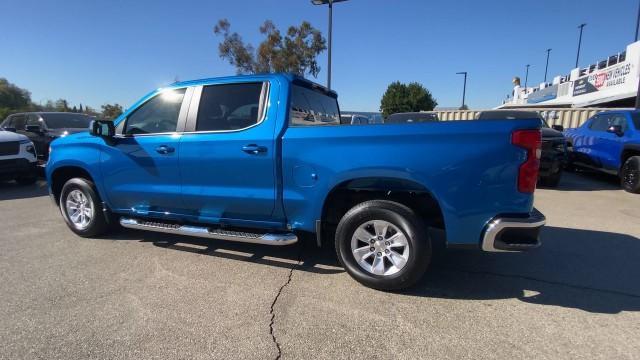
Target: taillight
x=531, y=140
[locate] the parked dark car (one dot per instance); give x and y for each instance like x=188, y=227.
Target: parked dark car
x=411, y=117
x=43, y=127
x=554, y=146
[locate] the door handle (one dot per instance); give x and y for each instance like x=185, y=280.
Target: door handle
x=254, y=149
x=164, y=149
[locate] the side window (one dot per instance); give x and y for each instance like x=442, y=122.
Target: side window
x=33, y=119
x=230, y=106
x=158, y=115
x=309, y=107
x=18, y=122
x=600, y=123
x=8, y=123
x=619, y=120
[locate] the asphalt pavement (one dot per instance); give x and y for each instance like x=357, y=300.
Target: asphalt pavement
x=146, y=295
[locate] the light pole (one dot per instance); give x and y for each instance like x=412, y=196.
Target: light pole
x=638, y=22
x=581, y=27
x=526, y=78
x=330, y=3
x=546, y=68
x=464, y=88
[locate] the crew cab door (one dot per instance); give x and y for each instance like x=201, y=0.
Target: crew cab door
x=609, y=145
x=140, y=165
x=228, y=154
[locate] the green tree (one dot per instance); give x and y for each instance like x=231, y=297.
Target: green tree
x=295, y=52
x=111, y=111
x=12, y=98
x=401, y=97
x=81, y=110
x=62, y=105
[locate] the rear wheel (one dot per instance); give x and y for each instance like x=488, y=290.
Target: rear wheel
x=81, y=208
x=383, y=245
x=630, y=175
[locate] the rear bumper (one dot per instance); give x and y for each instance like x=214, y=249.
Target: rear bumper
x=513, y=233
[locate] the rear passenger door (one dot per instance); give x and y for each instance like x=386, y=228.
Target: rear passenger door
x=228, y=154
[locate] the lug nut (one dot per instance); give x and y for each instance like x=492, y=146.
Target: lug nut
x=372, y=249
x=371, y=241
x=379, y=254
x=387, y=243
x=386, y=251
x=380, y=238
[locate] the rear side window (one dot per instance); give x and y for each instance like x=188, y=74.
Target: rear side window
x=17, y=122
x=158, y=115
x=230, y=106
x=309, y=108
x=636, y=120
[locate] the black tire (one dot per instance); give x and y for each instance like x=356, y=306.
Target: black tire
x=630, y=175
x=552, y=180
x=97, y=225
x=27, y=180
x=404, y=219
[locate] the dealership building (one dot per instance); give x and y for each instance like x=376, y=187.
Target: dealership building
x=611, y=82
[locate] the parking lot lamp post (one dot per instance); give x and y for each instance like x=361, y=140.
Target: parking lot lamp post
x=330, y=3
x=546, y=68
x=526, y=77
x=464, y=88
x=637, y=22
x=581, y=27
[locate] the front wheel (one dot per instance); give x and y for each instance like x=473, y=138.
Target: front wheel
x=630, y=175
x=383, y=245
x=81, y=208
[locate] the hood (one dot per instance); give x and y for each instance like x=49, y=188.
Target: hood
x=6, y=136
x=65, y=131
x=551, y=133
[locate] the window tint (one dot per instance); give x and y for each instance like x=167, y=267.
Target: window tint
x=158, y=115
x=309, y=107
x=619, y=120
x=600, y=123
x=33, y=119
x=229, y=107
x=66, y=120
x=635, y=116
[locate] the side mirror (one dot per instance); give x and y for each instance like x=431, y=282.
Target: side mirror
x=615, y=129
x=102, y=128
x=33, y=128
x=557, y=127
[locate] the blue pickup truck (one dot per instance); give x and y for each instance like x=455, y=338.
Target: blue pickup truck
x=264, y=159
x=609, y=142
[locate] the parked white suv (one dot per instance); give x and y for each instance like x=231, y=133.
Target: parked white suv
x=17, y=158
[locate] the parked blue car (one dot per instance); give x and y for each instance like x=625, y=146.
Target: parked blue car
x=609, y=142
x=263, y=159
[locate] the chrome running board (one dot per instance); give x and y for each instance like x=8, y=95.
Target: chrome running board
x=204, y=232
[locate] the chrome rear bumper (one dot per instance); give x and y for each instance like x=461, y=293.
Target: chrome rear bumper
x=507, y=234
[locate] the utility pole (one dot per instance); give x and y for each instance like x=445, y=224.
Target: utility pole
x=581, y=27
x=546, y=68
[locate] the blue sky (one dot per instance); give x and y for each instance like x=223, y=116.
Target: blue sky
x=96, y=52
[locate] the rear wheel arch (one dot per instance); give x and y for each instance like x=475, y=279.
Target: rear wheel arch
x=347, y=194
x=629, y=151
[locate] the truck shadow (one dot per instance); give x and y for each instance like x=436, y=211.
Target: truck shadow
x=588, y=270
x=10, y=190
x=587, y=180
x=304, y=256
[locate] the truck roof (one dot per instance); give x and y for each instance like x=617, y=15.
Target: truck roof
x=292, y=78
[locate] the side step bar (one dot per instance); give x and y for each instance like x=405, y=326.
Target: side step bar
x=204, y=232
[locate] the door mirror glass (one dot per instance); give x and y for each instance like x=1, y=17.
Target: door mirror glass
x=557, y=127
x=102, y=128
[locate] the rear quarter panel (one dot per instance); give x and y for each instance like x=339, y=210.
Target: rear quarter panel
x=470, y=167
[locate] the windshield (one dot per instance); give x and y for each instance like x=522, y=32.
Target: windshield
x=66, y=120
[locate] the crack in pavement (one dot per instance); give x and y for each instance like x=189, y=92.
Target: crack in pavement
x=550, y=282
x=275, y=300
